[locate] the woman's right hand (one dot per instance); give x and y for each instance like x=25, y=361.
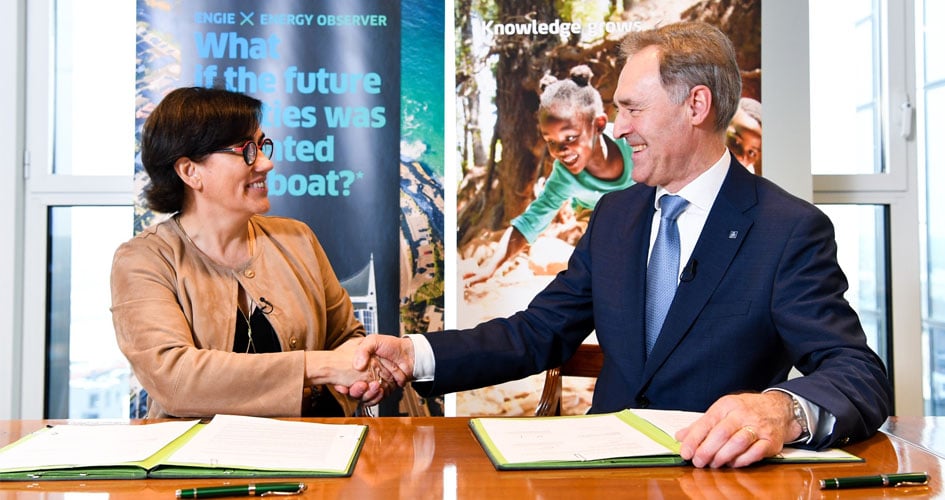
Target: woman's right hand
x=336, y=367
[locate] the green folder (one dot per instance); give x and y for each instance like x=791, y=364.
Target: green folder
x=620, y=439
x=68, y=451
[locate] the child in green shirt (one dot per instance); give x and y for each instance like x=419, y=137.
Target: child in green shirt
x=588, y=163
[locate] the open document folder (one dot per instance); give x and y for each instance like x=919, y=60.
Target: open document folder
x=629, y=438
x=228, y=446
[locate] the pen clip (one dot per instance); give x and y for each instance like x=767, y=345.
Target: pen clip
x=908, y=479
x=299, y=491
x=912, y=483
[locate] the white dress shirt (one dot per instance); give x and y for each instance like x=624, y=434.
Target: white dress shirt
x=700, y=193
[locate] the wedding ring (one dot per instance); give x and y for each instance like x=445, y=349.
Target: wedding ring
x=749, y=430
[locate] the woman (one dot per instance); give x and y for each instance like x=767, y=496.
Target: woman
x=218, y=308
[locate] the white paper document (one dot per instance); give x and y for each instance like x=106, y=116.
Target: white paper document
x=269, y=444
x=669, y=421
x=90, y=445
x=568, y=439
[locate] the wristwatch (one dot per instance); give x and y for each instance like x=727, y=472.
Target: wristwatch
x=801, y=418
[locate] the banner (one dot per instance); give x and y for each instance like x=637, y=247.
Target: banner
x=357, y=159
x=504, y=51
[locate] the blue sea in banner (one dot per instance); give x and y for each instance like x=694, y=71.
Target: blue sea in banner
x=422, y=146
x=422, y=80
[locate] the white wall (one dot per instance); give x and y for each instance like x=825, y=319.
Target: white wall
x=12, y=35
x=785, y=96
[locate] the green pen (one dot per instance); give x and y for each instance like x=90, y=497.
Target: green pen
x=243, y=490
x=901, y=479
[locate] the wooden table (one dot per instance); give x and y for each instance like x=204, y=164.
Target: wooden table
x=437, y=457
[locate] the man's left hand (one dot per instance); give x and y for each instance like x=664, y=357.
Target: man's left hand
x=739, y=430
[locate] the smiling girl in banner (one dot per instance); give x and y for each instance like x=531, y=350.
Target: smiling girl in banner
x=588, y=163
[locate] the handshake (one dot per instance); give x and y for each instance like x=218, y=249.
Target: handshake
x=370, y=368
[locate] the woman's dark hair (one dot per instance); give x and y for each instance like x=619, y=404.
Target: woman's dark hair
x=191, y=122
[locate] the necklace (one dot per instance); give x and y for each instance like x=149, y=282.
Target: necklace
x=249, y=331
x=182, y=230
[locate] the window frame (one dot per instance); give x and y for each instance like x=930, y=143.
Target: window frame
x=896, y=188
x=898, y=113
x=43, y=190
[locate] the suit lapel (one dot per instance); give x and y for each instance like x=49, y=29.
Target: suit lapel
x=634, y=241
x=725, y=229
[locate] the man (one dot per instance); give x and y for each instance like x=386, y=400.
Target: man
x=759, y=287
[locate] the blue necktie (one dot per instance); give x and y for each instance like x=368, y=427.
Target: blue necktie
x=662, y=273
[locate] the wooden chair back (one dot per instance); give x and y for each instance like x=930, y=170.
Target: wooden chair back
x=587, y=361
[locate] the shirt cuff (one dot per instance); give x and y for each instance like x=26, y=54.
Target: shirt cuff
x=424, y=364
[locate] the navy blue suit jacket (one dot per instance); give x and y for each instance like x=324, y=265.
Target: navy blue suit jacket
x=761, y=293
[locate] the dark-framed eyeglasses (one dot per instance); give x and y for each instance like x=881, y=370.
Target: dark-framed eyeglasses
x=250, y=150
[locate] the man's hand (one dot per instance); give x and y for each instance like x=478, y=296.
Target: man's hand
x=373, y=379
x=393, y=354
x=739, y=430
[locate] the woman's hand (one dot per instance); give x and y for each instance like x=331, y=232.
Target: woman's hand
x=336, y=368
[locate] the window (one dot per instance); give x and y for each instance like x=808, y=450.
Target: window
x=94, y=88
x=82, y=357
x=80, y=138
x=847, y=139
x=863, y=164
x=846, y=132
x=931, y=127
x=861, y=250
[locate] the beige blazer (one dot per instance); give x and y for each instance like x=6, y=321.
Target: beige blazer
x=174, y=312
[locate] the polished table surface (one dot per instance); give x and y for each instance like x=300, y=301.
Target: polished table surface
x=925, y=432
x=438, y=457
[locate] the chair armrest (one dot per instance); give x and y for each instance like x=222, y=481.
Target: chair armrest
x=550, y=402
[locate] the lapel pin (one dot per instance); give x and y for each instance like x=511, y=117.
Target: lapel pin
x=732, y=235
